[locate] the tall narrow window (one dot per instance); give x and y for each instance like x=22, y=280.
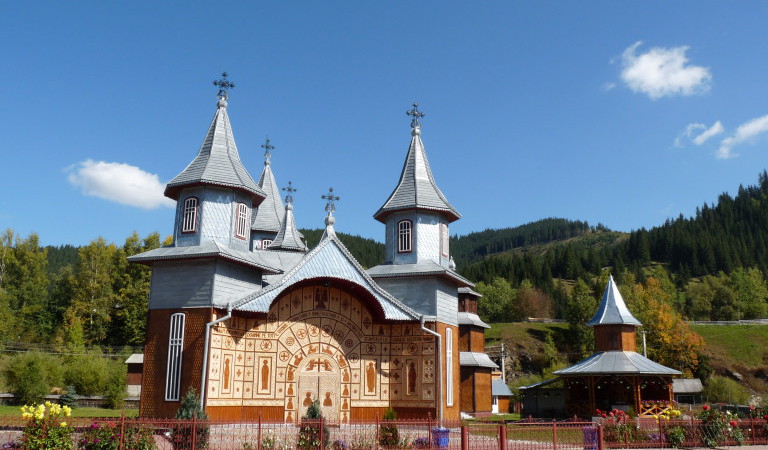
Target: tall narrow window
x=404, y=236
x=444, y=240
x=449, y=366
x=175, y=347
x=189, y=219
x=241, y=224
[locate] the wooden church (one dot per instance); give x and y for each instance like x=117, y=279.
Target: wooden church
x=243, y=312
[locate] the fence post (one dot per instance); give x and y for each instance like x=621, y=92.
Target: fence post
x=122, y=430
x=752, y=427
x=378, y=431
x=600, y=436
x=322, y=431
x=258, y=434
x=503, y=436
x=464, y=438
x=554, y=434
x=194, y=431
x=661, y=434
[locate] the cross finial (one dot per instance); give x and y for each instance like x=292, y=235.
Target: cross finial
x=332, y=199
x=224, y=85
x=290, y=190
x=267, y=150
x=416, y=114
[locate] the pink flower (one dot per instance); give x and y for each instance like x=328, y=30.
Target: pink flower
x=705, y=407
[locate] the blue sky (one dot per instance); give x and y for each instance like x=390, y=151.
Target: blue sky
x=624, y=113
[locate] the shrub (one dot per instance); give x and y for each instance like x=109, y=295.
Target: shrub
x=721, y=389
x=31, y=375
x=389, y=436
x=46, y=427
x=310, y=431
x=89, y=374
x=69, y=398
x=115, y=387
x=107, y=437
x=181, y=435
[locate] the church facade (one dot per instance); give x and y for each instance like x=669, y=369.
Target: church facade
x=261, y=326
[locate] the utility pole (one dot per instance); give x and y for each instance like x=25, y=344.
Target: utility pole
x=503, y=367
x=645, y=350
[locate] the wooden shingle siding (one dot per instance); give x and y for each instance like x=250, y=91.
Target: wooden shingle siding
x=181, y=284
x=446, y=302
x=418, y=293
x=232, y=281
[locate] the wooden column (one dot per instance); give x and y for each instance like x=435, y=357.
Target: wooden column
x=636, y=390
x=592, y=395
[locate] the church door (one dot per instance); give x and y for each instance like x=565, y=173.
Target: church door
x=319, y=380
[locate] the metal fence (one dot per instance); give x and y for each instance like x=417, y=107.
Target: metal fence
x=171, y=434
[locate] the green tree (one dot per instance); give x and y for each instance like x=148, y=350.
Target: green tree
x=496, y=303
x=580, y=308
x=751, y=291
x=93, y=299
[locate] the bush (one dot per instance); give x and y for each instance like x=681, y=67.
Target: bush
x=181, y=435
x=389, y=436
x=115, y=389
x=721, y=389
x=31, y=375
x=46, y=427
x=89, y=374
x=107, y=437
x=310, y=430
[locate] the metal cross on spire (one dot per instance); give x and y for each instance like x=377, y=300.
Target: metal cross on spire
x=267, y=150
x=290, y=190
x=224, y=85
x=416, y=114
x=332, y=199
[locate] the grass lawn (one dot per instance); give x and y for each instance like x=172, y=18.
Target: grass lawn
x=746, y=344
x=77, y=412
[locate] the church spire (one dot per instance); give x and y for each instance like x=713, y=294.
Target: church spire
x=288, y=238
x=612, y=309
x=416, y=189
x=269, y=216
x=330, y=208
x=217, y=162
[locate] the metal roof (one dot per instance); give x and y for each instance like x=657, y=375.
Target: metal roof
x=617, y=363
x=217, y=162
x=466, y=290
x=499, y=388
x=208, y=249
x=330, y=259
x=136, y=358
x=288, y=238
x=687, y=386
x=612, y=309
x=269, y=214
x=476, y=359
x=466, y=318
x=416, y=188
x=422, y=268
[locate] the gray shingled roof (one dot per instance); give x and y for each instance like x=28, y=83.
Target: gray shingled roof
x=617, y=363
x=612, y=309
x=466, y=318
x=687, y=386
x=416, y=188
x=217, y=162
x=476, y=359
x=269, y=215
x=208, y=249
x=329, y=259
x=466, y=290
x=499, y=388
x=288, y=238
x=422, y=268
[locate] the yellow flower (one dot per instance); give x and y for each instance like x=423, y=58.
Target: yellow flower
x=63, y=424
x=26, y=415
x=67, y=410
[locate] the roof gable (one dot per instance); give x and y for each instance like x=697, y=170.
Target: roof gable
x=330, y=259
x=217, y=162
x=417, y=188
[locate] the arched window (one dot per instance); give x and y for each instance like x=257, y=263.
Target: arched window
x=444, y=240
x=404, y=236
x=189, y=218
x=241, y=221
x=175, y=347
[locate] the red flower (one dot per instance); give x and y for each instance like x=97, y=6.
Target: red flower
x=604, y=416
x=751, y=407
x=734, y=423
x=705, y=407
x=598, y=412
x=765, y=417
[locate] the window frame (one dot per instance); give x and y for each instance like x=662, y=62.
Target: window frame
x=184, y=212
x=404, y=236
x=175, y=357
x=266, y=243
x=449, y=366
x=241, y=221
x=444, y=240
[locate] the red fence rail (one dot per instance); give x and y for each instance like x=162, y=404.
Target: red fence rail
x=172, y=434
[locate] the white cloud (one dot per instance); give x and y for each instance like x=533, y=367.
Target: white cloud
x=712, y=131
x=120, y=183
x=661, y=72
x=746, y=132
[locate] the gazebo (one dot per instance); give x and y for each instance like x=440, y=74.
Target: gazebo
x=616, y=376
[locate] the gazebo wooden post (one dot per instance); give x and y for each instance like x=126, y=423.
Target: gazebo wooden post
x=637, y=396
x=592, y=395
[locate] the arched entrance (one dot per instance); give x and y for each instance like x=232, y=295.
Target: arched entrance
x=319, y=379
